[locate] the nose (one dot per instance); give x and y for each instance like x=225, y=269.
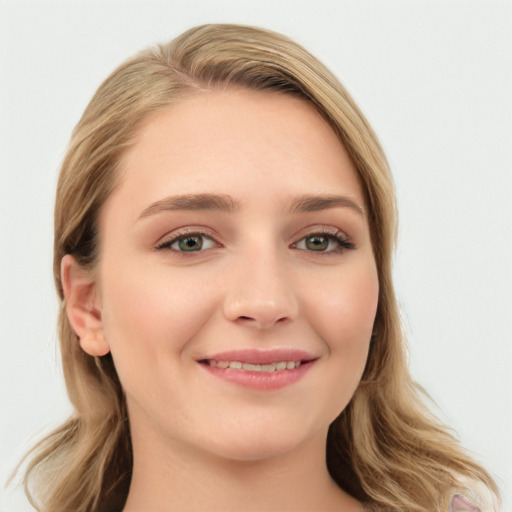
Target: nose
x=261, y=292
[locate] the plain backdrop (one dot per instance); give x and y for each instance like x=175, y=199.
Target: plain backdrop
x=435, y=80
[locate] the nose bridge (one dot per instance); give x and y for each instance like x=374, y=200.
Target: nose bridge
x=261, y=292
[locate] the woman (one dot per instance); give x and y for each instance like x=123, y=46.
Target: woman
x=224, y=227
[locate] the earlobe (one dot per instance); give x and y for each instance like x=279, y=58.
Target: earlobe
x=83, y=307
x=94, y=343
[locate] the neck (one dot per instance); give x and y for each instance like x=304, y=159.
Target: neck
x=176, y=479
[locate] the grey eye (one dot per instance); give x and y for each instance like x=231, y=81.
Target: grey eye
x=318, y=243
x=192, y=243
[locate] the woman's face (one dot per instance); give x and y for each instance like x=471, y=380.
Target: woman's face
x=236, y=284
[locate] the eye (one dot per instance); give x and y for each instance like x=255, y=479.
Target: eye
x=189, y=242
x=324, y=242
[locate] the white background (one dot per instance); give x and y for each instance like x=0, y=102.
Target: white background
x=434, y=78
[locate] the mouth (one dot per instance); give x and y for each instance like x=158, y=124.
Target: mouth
x=254, y=367
x=259, y=370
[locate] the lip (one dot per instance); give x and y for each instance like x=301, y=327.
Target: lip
x=257, y=380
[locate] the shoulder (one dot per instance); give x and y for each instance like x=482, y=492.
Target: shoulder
x=471, y=496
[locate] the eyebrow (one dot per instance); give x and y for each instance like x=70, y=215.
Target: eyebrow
x=315, y=203
x=192, y=202
x=225, y=203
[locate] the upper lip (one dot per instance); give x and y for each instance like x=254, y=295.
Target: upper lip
x=261, y=356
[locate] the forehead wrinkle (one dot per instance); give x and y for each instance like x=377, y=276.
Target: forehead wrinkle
x=192, y=202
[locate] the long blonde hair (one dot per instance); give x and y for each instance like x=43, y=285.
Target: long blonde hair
x=385, y=448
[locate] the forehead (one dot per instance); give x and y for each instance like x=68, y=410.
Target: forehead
x=248, y=144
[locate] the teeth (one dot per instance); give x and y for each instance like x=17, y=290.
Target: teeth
x=272, y=367
x=251, y=367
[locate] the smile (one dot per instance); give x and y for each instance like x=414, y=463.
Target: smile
x=261, y=370
x=238, y=365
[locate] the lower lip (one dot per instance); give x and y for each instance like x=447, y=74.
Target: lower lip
x=261, y=381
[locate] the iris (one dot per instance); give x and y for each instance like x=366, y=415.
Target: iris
x=191, y=243
x=317, y=242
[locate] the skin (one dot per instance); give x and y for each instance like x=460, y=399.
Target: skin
x=255, y=284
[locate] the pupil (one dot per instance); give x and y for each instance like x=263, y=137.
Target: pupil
x=317, y=243
x=191, y=243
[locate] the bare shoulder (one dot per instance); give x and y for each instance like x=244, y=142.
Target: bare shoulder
x=472, y=496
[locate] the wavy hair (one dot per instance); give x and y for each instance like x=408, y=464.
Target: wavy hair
x=385, y=448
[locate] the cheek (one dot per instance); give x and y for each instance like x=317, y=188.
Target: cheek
x=343, y=318
x=344, y=312
x=150, y=313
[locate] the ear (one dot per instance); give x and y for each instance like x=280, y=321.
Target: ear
x=83, y=306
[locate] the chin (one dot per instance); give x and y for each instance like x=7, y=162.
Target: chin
x=259, y=444
x=256, y=452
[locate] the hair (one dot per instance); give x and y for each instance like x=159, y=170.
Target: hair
x=385, y=448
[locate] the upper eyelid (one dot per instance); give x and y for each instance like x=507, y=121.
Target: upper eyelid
x=172, y=237
x=331, y=231
x=344, y=242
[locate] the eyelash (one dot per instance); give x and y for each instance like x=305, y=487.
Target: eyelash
x=167, y=244
x=330, y=234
